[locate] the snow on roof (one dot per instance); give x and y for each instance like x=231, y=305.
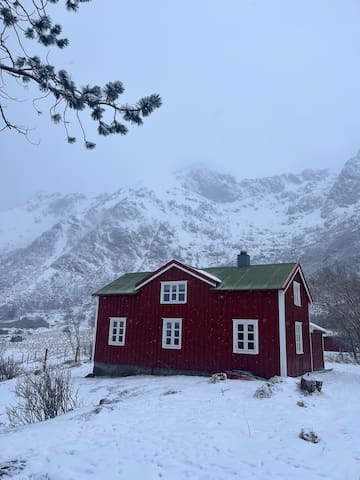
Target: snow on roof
x=207, y=274
x=314, y=326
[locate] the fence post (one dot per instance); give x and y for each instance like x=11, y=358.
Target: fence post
x=45, y=359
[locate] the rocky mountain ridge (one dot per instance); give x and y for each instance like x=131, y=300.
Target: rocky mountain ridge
x=57, y=249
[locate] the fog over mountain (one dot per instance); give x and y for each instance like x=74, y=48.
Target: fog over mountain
x=57, y=249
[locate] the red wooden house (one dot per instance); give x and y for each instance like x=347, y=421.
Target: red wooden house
x=182, y=320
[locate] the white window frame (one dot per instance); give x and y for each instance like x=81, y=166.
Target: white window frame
x=172, y=337
x=174, y=288
x=299, y=342
x=246, y=340
x=297, y=294
x=117, y=329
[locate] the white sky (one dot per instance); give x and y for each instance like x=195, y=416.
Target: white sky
x=249, y=87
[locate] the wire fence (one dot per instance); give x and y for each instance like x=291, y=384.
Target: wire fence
x=50, y=347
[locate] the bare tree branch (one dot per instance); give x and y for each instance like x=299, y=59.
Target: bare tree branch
x=337, y=292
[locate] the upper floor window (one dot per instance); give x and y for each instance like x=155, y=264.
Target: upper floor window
x=172, y=329
x=117, y=329
x=297, y=296
x=173, y=292
x=299, y=338
x=245, y=336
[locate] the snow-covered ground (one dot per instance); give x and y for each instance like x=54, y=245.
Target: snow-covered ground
x=186, y=427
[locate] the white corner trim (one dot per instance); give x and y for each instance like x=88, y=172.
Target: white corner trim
x=282, y=333
x=310, y=338
x=95, y=327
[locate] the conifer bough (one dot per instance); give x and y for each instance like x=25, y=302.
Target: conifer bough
x=21, y=21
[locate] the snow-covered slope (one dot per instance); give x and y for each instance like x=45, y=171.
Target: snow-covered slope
x=179, y=428
x=20, y=226
x=56, y=250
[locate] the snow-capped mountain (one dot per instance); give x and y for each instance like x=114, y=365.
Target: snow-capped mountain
x=56, y=249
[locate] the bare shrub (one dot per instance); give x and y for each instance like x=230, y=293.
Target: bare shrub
x=87, y=344
x=41, y=397
x=8, y=368
x=2, y=348
x=79, y=339
x=72, y=334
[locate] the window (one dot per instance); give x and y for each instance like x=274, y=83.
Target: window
x=298, y=338
x=117, y=331
x=173, y=292
x=171, y=337
x=245, y=336
x=297, y=296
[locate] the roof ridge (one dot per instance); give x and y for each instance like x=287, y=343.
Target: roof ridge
x=254, y=265
x=250, y=277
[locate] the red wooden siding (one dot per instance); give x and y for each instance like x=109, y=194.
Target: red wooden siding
x=297, y=364
x=207, y=328
x=317, y=350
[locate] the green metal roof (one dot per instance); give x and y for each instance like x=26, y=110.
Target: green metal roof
x=252, y=277
x=124, y=284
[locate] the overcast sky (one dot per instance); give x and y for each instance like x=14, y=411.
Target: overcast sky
x=249, y=87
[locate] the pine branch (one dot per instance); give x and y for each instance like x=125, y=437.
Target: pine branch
x=36, y=25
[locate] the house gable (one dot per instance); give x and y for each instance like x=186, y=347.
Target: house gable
x=297, y=270
x=199, y=274
x=297, y=299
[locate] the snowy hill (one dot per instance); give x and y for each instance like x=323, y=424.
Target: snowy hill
x=185, y=427
x=57, y=249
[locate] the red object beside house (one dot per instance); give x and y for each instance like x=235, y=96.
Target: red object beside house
x=317, y=343
x=336, y=343
x=181, y=320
